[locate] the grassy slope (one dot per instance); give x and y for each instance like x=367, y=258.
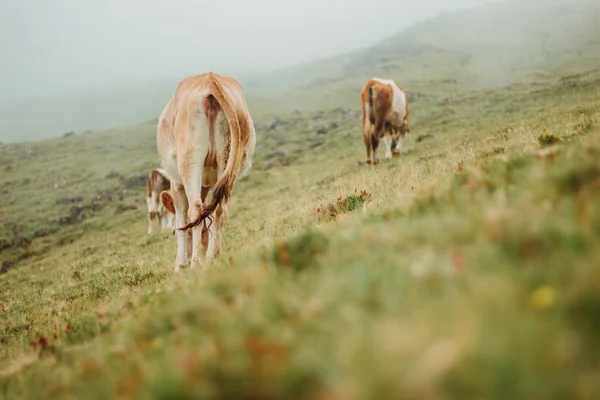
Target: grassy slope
x=472, y=270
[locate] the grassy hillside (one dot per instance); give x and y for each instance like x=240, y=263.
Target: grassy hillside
x=467, y=268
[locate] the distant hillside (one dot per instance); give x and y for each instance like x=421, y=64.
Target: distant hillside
x=489, y=46
x=482, y=48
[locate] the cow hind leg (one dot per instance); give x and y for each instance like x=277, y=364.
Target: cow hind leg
x=163, y=220
x=204, y=194
x=193, y=184
x=150, y=223
x=367, y=130
x=215, y=237
x=375, y=145
x=367, y=140
x=184, y=239
x=215, y=230
x=399, y=143
x=150, y=203
x=387, y=142
x=170, y=220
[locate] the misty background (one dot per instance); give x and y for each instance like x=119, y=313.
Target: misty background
x=64, y=62
x=70, y=65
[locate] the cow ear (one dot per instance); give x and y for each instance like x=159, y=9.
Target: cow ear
x=167, y=201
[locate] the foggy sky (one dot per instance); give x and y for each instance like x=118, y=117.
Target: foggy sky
x=53, y=48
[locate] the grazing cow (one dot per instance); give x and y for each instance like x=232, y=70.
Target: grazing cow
x=205, y=139
x=157, y=183
x=385, y=113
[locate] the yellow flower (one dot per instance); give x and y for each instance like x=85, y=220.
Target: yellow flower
x=543, y=297
x=157, y=342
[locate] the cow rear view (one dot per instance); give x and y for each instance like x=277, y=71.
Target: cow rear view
x=385, y=115
x=205, y=139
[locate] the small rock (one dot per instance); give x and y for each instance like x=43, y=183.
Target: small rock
x=6, y=265
x=113, y=174
x=42, y=233
x=21, y=242
x=316, y=144
x=70, y=200
x=134, y=181
x=75, y=216
x=122, y=208
x=420, y=138
x=320, y=129
x=4, y=244
x=275, y=154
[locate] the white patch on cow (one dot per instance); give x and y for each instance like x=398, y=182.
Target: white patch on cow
x=200, y=143
x=397, y=111
x=399, y=142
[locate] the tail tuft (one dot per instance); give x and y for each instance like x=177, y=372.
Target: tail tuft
x=371, y=115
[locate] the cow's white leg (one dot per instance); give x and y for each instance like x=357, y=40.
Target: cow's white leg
x=150, y=230
x=150, y=214
x=163, y=221
x=399, y=143
x=213, y=247
x=184, y=239
x=194, y=170
x=215, y=238
x=387, y=142
x=214, y=231
x=194, y=189
x=150, y=222
x=170, y=220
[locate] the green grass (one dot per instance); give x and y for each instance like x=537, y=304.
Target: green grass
x=467, y=269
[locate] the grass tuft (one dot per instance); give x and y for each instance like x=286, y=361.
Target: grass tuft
x=343, y=205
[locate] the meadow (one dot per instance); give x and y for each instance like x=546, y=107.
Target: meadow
x=466, y=268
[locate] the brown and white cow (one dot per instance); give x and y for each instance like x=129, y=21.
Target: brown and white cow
x=205, y=139
x=157, y=183
x=385, y=114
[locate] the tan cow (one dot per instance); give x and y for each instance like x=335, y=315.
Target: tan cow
x=205, y=139
x=157, y=183
x=385, y=114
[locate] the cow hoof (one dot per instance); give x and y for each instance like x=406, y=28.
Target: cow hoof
x=197, y=263
x=178, y=267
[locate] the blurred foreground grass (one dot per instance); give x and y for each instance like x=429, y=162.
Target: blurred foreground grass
x=469, y=269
